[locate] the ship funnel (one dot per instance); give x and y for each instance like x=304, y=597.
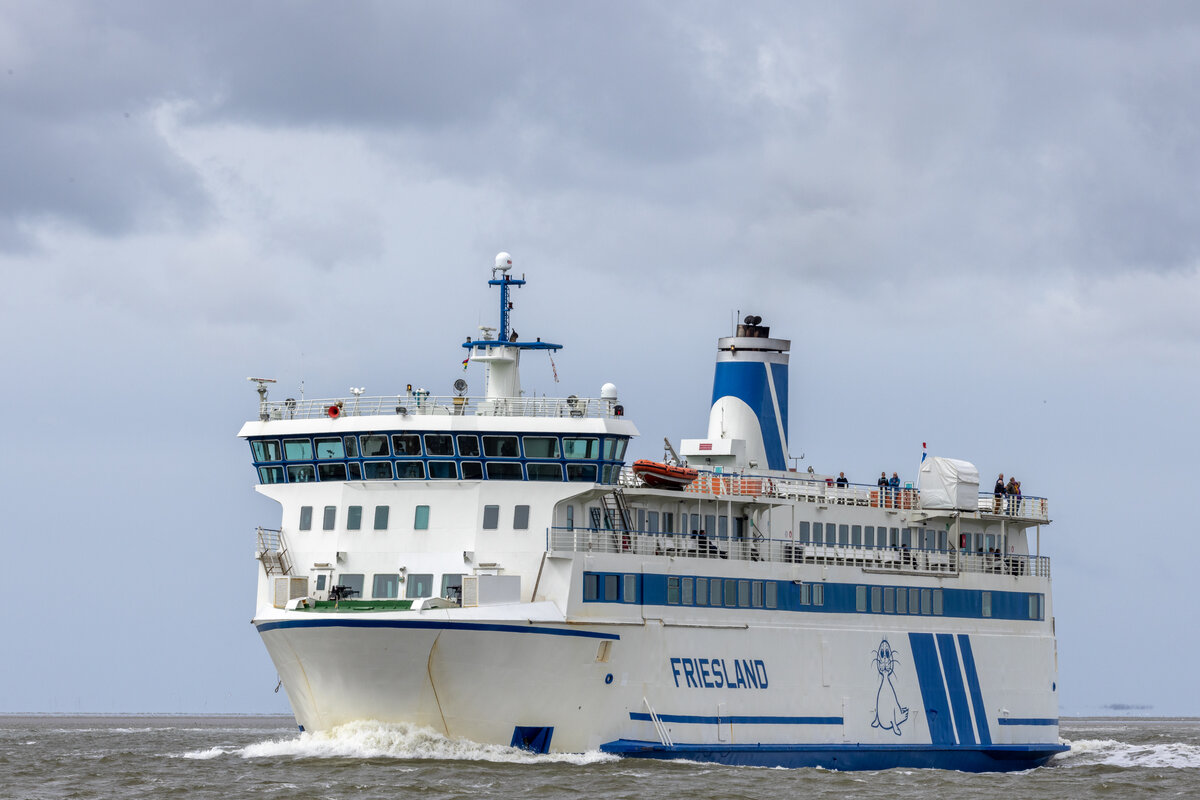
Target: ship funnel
x=747, y=425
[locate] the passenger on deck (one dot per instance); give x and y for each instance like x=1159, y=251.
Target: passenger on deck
x=1011, y=490
x=842, y=481
x=895, y=481
x=998, y=493
x=883, y=481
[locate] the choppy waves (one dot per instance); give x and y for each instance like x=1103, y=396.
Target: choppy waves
x=367, y=739
x=1113, y=753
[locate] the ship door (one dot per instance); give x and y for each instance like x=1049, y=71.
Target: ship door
x=724, y=726
x=322, y=581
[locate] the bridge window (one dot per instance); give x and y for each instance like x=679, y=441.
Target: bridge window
x=540, y=446
x=381, y=518
x=354, y=471
x=306, y=518
x=581, y=472
x=500, y=447
x=374, y=446
x=545, y=472
x=502, y=471
x=406, y=444
x=354, y=518
x=410, y=470
x=419, y=585
x=385, y=587
x=472, y=471
x=330, y=448
x=439, y=444
x=331, y=472
x=270, y=474
x=377, y=470
x=442, y=470
x=421, y=520
x=491, y=518
x=581, y=448
x=266, y=450
x=301, y=473
x=297, y=449
x=520, y=518
x=468, y=445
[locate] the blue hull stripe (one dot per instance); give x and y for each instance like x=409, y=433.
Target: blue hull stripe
x=263, y=627
x=642, y=716
x=933, y=689
x=1026, y=721
x=954, y=682
x=967, y=758
x=981, y=720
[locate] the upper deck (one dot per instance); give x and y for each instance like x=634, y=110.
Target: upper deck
x=421, y=403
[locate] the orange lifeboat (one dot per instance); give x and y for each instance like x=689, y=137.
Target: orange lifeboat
x=663, y=476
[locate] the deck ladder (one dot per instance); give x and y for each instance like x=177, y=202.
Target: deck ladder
x=663, y=735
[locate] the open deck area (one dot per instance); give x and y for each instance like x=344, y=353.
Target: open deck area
x=420, y=403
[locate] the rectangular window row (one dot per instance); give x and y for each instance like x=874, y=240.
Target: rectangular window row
x=899, y=600
x=722, y=592
x=463, y=445
x=386, y=586
x=354, y=518
x=611, y=587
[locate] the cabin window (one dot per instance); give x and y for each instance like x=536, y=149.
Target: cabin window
x=331, y=472
x=938, y=603
x=520, y=518
x=803, y=535
x=472, y=471
x=500, y=447
x=869, y=536
x=443, y=470
x=270, y=474
x=570, y=518
x=714, y=591
x=377, y=470
x=330, y=448
x=385, y=587
x=381, y=518
x=544, y=472
x=889, y=600
x=452, y=585
x=856, y=535
x=860, y=598
x=723, y=527
x=652, y=522
x=805, y=594
x=876, y=599
x=926, y=601
x=418, y=585
x=540, y=446
x=581, y=472
x=352, y=581
x=906, y=537
x=439, y=444
x=843, y=534
x=673, y=590
x=297, y=449
x=630, y=593
x=986, y=598
x=266, y=450
x=756, y=594
x=301, y=473
x=914, y=601
x=581, y=448
x=410, y=470
x=687, y=587
x=818, y=594
x=321, y=582
x=374, y=446
x=491, y=518
x=701, y=591
x=468, y=445
x=406, y=444
x=772, y=594
x=901, y=601
x=421, y=521
x=611, y=587
x=730, y=592
x=818, y=536
x=503, y=471
x=354, y=518
x=306, y=518
x=710, y=524
x=591, y=587
x=329, y=519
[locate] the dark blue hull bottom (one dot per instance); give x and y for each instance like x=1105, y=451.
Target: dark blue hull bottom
x=989, y=758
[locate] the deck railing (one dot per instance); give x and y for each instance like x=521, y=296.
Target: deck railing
x=880, y=559
x=423, y=404
x=821, y=492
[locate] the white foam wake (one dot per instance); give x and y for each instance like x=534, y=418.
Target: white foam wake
x=1111, y=753
x=370, y=739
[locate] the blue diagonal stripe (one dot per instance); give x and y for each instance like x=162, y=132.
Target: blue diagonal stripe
x=954, y=682
x=981, y=721
x=933, y=688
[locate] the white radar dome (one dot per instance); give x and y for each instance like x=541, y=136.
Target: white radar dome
x=608, y=391
x=503, y=261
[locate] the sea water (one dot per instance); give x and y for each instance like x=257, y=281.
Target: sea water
x=265, y=757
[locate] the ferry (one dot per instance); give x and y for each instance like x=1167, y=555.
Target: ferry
x=487, y=566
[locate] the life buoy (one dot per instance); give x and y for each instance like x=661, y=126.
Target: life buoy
x=333, y=412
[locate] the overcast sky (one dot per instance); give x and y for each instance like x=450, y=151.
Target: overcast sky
x=979, y=223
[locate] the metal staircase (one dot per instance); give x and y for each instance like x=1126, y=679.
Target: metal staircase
x=271, y=550
x=617, y=517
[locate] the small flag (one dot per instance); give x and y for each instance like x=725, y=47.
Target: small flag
x=466, y=360
x=923, y=453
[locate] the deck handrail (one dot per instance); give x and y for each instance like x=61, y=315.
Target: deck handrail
x=419, y=404
x=883, y=558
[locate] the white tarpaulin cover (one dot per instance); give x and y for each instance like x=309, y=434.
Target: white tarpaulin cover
x=949, y=483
